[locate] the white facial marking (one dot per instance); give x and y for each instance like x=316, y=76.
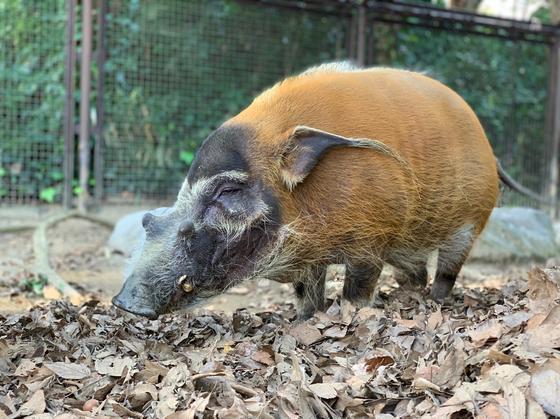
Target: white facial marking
x=188, y=194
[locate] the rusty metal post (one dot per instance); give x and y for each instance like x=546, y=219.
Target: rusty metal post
x=361, y=45
x=85, y=86
x=370, y=23
x=98, y=165
x=352, y=36
x=553, y=125
x=69, y=130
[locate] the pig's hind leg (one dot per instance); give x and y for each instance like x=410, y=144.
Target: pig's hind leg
x=451, y=257
x=413, y=277
x=360, y=281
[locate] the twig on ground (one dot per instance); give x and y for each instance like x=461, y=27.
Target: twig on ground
x=41, y=251
x=207, y=374
x=17, y=228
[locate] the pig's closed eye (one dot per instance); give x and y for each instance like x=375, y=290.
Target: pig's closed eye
x=230, y=197
x=227, y=191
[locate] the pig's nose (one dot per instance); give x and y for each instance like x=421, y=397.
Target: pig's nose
x=139, y=311
x=134, y=299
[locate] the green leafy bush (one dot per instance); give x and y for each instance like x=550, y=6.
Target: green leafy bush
x=176, y=69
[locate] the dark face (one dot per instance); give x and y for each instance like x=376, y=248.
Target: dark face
x=220, y=228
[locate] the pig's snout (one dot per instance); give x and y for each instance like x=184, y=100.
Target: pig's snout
x=135, y=299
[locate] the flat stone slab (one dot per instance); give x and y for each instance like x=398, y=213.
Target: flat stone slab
x=128, y=233
x=516, y=234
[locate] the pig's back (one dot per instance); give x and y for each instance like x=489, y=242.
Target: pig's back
x=428, y=124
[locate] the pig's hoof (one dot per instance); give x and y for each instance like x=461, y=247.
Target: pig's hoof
x=439, y=292
x=304, y=316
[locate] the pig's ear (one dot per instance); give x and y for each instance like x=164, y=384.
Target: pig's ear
x=305, y=149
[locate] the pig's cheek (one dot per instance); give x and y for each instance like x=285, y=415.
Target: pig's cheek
x=211, y=215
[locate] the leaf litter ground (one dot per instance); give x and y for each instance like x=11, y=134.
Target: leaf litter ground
x=488, y=353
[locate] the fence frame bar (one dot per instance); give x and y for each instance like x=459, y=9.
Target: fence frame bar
x=98, y=154
x=85, y=90
x=427, y=16
x=69, y=128
x=361, y=43
x=553, y=126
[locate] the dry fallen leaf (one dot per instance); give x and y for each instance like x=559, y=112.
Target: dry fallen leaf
x=544, y=339
x=373, y=364
x=69, y=371
x=113, y=366
x=457, y=359
x=489, y=330
x=323, y=390
x=265, y=357
x=451, y=369
x=335, y=331
x=492, y=411
x=34, y=405
x=423, y=384
x=124, y=412
x=142, y=394
x=434, y=320
x=544, y=289
x=198, y=405
x=25, y=368
x=545, y=387
x=151, y=373
x=306, y=333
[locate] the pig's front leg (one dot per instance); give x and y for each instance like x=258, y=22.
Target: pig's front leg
x=310, y=291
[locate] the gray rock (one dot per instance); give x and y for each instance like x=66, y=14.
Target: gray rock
x=519, y=234
x=128, y=237
x=128, y=233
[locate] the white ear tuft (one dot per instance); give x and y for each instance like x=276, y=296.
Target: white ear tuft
x=289, y=179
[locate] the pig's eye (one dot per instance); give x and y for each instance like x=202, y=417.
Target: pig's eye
x=227, y=190
x=230, y=197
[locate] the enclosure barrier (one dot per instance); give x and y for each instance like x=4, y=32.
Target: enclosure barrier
x=106, y=102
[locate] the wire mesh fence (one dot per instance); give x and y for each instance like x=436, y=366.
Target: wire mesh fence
x=32, y=38
x=503, y=80
x=176, y=69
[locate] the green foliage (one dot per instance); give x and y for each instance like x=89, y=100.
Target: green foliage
x=187, y=157
x=34, y=284
x=48, y=194
x=199, y=63
x=177, y=69
x=504, y=81
x=32, y=40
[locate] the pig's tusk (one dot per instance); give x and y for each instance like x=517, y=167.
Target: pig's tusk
x=187, y=287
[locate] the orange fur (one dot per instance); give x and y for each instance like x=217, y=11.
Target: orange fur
x=359, y=204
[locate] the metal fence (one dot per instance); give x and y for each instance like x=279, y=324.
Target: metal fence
x=178, y=69
x=165, y=73
x=32, y=38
